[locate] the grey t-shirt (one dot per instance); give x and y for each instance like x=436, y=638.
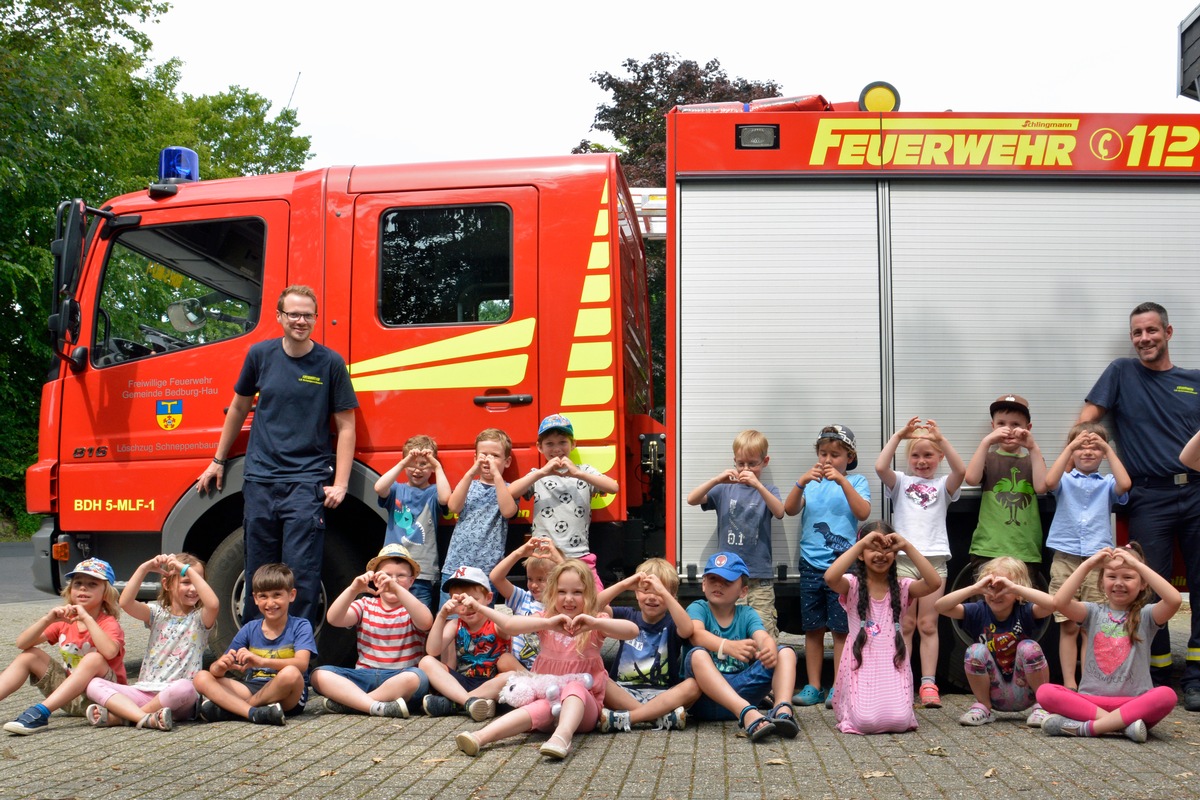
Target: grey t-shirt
x=1115, y=666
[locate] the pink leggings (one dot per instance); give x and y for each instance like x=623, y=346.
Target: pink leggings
x=542, y=716
x=1150, y=707
x=179, y=696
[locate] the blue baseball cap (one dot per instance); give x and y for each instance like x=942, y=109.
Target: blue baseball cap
x=556, y=422
x=726, y=565
x=95, y=567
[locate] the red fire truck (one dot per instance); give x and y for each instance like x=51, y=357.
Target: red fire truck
x=824, y=265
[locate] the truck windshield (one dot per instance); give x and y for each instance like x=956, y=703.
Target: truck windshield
x=168, y=287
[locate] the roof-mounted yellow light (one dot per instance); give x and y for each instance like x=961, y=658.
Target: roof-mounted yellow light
x=879, y=96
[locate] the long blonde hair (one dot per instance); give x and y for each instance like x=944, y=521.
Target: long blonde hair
x=111, y=604
x=166, y=589
x=550, y=594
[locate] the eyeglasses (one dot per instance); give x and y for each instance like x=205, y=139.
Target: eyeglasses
x=296, y=316
x=747, y=464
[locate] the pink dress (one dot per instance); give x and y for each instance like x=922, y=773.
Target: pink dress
x=558, y=656
x=876, y=697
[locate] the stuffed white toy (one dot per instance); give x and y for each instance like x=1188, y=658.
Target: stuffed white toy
x=522, y=688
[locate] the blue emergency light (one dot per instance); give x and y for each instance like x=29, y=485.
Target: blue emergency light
x=178, y=165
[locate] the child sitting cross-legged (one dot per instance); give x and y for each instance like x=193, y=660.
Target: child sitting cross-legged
x=643, y=682
x=392, y=624
x=735, y=661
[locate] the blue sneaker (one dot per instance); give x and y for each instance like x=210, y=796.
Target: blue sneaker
x=29, y=722
x=808, y=696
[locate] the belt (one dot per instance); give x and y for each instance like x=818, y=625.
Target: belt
x=1159, y=482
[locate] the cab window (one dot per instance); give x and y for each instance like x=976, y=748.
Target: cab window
x=446, y=265
x=169, y=287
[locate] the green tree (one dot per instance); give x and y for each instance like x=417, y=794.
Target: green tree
x=84, y=114
x=636, y=118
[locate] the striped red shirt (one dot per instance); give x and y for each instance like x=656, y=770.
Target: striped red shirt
x=387, y=638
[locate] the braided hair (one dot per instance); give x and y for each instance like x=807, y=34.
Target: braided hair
x=859, y=570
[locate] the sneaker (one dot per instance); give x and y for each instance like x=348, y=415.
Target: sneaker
x=613, y=721
x=334, y=707
x=674, y=721
x=829, y=697
x=978, y=714
x=211, y=712
x=434, y=705
x=480, y=708
x=1036, y=716
x=1137, y=731
x=1191, y=699
x=468, y=743
x=397, y=709
x=929, y=696
x=555, y=748
x=267, y=715
x=1058, y=725
x=808, y=696
x=29, y=722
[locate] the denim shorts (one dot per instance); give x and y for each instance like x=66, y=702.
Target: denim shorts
x=751, y=684
x=368, y=680
x=819, y=607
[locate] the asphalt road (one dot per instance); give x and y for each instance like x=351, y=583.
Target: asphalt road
x=16, y=573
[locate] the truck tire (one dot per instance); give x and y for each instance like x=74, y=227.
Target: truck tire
x=225, y=575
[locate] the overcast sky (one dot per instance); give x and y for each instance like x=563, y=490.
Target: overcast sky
x=389, y=82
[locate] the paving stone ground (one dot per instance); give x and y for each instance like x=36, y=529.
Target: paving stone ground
x=318, y=755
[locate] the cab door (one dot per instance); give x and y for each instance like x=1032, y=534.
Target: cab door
x=443, y=305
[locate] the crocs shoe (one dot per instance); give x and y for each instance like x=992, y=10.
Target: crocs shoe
x=930, y=698
x=808, y=696
x=1037, y=715
x=978, y=714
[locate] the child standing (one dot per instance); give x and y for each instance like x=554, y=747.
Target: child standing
x=833, y=504
x=484, y=506
x=1081, y=522
x=572, y=628
x=273, y=651
x=735, y=661
x=562, y=492
x=392, y=624
x=876, y=681
x=464, y=653
x=643, y=682
x=89, y=644
x=745, y=507
x=179, y=622
x=1006, y=665
x=540, y=556
x=412, y=509
x=1009, y=468
x=1115, y=692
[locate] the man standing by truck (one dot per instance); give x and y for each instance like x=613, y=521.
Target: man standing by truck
x=300, y=384
x=1154, y=408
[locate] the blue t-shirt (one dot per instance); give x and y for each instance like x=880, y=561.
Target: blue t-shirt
x=1153, y=414
x=651, y=659
x=525, y=646
x=479, y=534
x=743, y=524
x=828, y=527
x=290, y=434
x=1081, y=525
x=412, y=522
x=297, y=635
x=1000, y=636
x=743, y=626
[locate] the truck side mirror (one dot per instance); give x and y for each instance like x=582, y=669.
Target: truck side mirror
x=187, y=315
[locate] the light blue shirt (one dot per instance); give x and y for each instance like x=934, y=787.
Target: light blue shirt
x=1081, y=525
x=828, y=527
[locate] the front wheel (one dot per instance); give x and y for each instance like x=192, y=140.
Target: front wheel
x=226, y=576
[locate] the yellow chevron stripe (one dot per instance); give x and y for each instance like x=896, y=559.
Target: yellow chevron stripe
x=590, y=357
x=502, y=371
x=603, y=458
x=599, y=255
x=590, y=391
x=602, y=223
x=593, y=322
x=591, y=425
x=493, y=339
x=595, y=289
x=602, y=500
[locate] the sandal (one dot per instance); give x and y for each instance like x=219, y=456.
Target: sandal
x=758, y=729
x=160, y=720
x=784, y=720
x=97, y=715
